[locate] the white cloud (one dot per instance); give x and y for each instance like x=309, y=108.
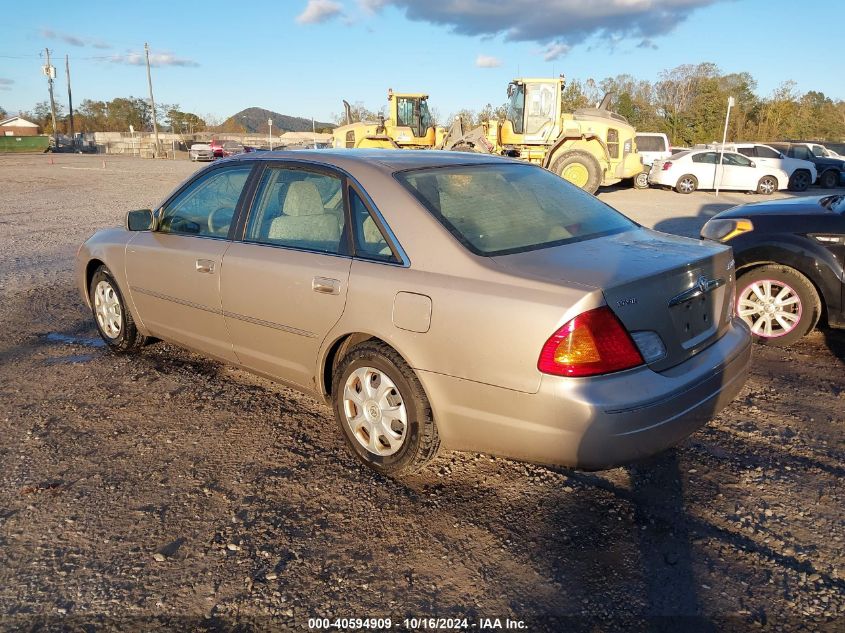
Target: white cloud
x=317, y=11
x=74, y=40
x=555, y=50
x=486, y=61
x=132, y=58
x=6, y=84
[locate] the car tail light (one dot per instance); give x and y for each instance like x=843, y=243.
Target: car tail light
x=592, y=343
x=667, y=165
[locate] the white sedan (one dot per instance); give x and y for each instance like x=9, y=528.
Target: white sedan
x=700, y=169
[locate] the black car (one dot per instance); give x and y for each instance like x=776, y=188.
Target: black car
x=790, y=263
x=831, y=171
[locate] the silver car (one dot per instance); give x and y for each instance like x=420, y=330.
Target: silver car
x=433, y=299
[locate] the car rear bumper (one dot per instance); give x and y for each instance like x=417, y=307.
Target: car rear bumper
x=592, y=423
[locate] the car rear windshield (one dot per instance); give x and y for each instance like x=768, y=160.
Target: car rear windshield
x=509, y=208
x=650, y=143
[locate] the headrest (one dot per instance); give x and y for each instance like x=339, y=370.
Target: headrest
x=303, y=199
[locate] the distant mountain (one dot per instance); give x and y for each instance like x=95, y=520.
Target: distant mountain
x=255, y=121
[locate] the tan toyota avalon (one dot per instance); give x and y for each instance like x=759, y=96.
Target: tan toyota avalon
x=432, y=299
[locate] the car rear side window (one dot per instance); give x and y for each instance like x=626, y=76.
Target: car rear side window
x=706, y=157
x=747, y=151
x=370, y=242
x=299, y=209
x=496, y=209
x=207, y=205
x=766, y=152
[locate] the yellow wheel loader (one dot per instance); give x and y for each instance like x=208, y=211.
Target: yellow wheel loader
x=408, y=126
x=588, y=147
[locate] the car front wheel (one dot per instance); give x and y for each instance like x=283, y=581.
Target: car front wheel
x=800, y=181
x=641, y=180
x=114, y=322
x=383, y=411
x=778, y=303
x=767, y=185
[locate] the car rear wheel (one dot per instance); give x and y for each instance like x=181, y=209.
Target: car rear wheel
x=641, y=180
x=686, y=184
x=114, y=322
x=767, y=185
x=778, y=303
x=800, y=181
x=829, y=179
x=383, y=411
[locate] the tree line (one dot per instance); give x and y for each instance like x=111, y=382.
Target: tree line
x=687, y=103
x=116, y=116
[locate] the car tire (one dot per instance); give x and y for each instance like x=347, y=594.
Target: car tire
x=111, y=316
x=800, y=180
x=686, y=184
x=829, y=179
x=372, y=390
x=641, y=180
x=795, y=311
x=580, y=168
x=767, y=185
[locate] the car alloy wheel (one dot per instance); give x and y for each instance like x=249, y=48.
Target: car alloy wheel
x=771, y=308
x=107, y=309
x=686, y=184
x=800, y=181
x=375, y=411
x=767, y=185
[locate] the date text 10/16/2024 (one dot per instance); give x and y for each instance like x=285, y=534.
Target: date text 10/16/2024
x=417, y=624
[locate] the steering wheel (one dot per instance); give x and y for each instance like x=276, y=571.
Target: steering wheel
x=220, y=225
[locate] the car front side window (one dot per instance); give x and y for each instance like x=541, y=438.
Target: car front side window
x=206, y=207
x=298, y=209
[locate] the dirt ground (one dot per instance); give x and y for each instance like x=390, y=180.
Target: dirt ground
x=165, y=491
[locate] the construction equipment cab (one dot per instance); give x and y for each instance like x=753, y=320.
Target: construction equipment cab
x=588, y=147
x=409, y=125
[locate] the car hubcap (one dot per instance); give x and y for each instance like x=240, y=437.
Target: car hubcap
x=686, y=184
x=107, y=309
x=767, y=186
x=770, y=308
x=576, y=173
x=375, y=411
x=801, y=181
x=642, y=180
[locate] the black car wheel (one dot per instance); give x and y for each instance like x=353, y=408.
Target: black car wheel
x=641, y=180
x=778, y=303
x=799, y=181
x=829, y=179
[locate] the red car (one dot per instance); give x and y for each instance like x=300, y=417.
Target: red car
x=225, y=148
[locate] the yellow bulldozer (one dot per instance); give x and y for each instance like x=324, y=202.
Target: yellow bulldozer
x=408, y=126
x=588, y=147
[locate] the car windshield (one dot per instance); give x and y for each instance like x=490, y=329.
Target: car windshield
x=509, y=208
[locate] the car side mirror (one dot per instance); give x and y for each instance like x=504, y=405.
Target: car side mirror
x=753, y=164
x=140, y=220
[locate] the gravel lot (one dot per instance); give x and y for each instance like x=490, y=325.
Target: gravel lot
x=168, y=490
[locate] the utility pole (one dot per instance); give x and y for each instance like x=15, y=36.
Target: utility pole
x=731, y=103
x=50, y=71
x=69, y=100
x=152, y=100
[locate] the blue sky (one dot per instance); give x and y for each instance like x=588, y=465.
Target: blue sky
x=302, y=57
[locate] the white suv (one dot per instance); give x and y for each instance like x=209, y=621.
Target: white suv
x=802, y=173
x=651, y=146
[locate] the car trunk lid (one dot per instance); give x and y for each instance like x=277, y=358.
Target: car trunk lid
x=677, y=287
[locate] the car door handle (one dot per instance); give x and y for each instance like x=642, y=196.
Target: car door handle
x=205, y=266
x=326, y=285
